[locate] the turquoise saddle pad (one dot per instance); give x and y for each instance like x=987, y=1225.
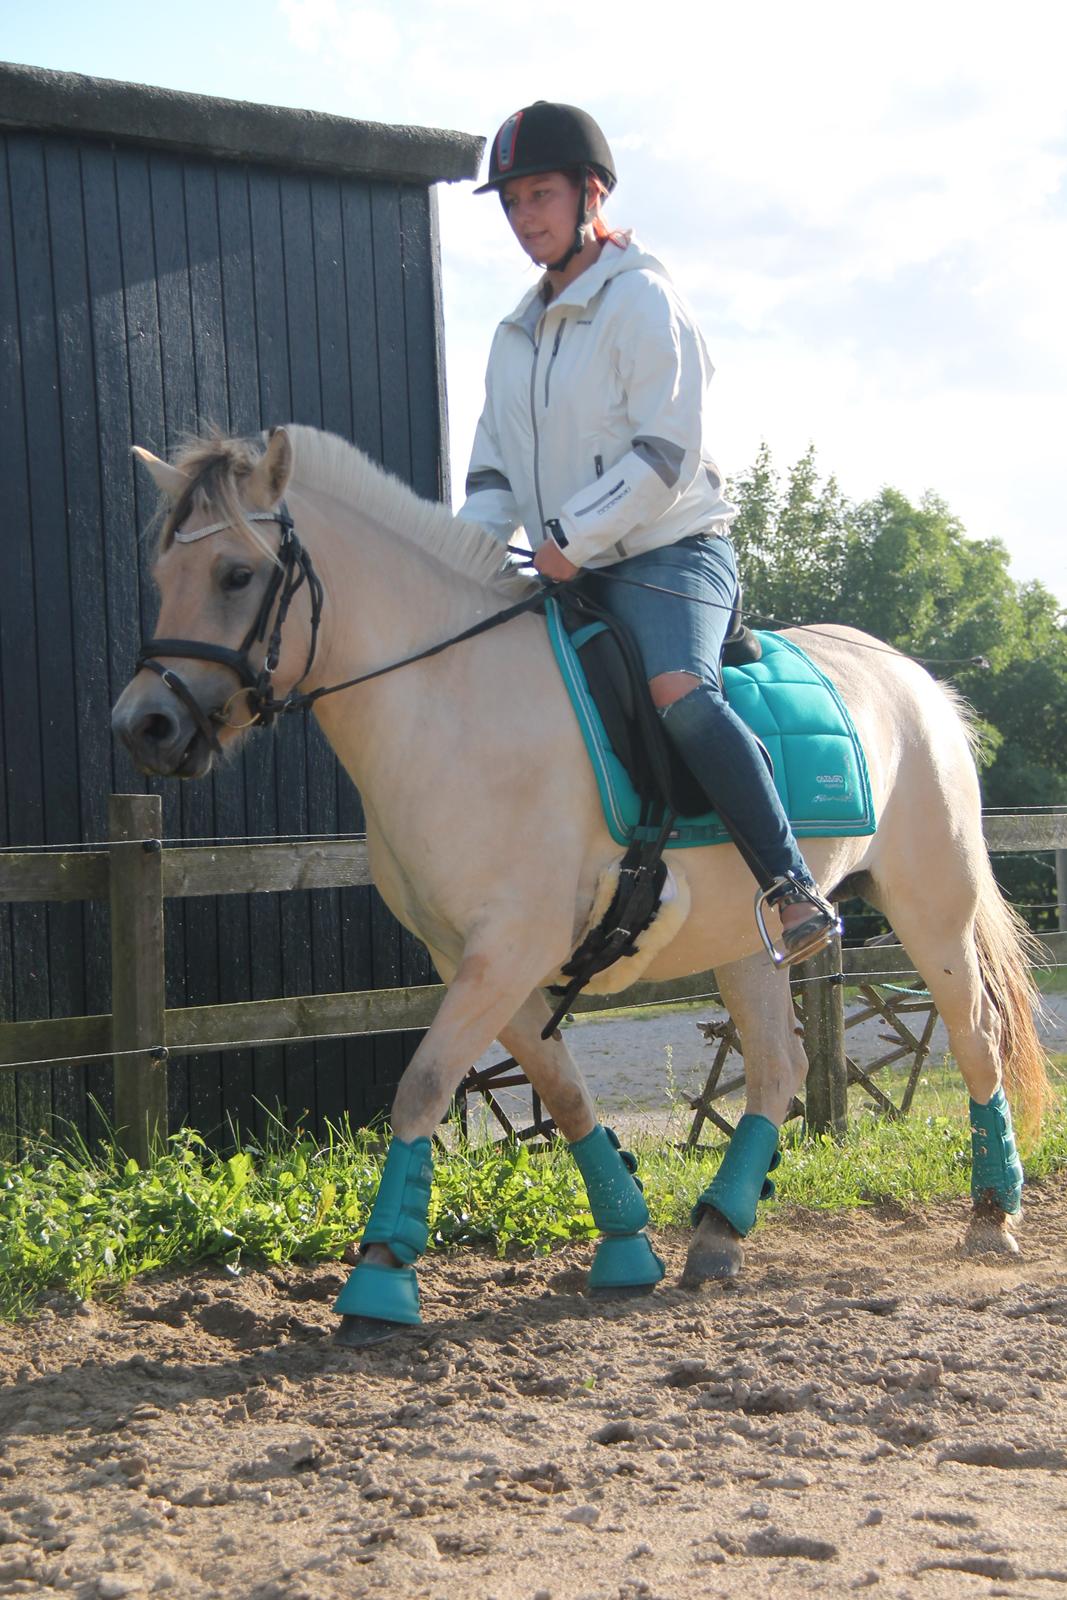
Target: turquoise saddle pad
x=820, y=769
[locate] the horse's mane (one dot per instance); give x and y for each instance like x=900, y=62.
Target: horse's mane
x=322, y=462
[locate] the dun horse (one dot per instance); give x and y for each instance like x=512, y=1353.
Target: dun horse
x=487, y=840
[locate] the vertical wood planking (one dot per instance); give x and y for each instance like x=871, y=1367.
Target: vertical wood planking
x=118, y=505
x=87, y=938
x=160, y=293
x=24, y=256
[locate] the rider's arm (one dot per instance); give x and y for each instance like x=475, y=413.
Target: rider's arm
x=664, y=367
x=490, y=500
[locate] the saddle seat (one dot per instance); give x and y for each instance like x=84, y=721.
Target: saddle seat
x=795, y=712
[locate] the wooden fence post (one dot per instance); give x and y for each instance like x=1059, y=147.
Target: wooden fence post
x=826, y=1097
x=1061, y=890
x=137, y=980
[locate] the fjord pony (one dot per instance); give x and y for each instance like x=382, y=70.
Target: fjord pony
x=484, y=826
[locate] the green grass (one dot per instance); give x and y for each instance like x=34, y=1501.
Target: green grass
x=88, y=1221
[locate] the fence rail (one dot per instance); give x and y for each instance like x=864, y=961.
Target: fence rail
x=139, y=872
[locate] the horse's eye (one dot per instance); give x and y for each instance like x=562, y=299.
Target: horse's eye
x=237, y=578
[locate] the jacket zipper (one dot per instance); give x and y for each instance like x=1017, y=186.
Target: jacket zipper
x=533, y=421
x=552, y=357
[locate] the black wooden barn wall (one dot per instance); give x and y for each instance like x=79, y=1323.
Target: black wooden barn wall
x=141, y=295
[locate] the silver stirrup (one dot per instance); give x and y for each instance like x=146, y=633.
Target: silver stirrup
x=820, y=937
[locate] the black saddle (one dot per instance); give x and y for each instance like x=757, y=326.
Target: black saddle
x=619, y=687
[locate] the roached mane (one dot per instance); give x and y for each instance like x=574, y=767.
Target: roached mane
x=323, y=463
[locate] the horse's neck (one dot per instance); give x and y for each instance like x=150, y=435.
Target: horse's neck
x=384, y=600
x=384, y=597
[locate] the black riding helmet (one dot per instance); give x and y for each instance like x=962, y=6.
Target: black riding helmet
x=550, y=137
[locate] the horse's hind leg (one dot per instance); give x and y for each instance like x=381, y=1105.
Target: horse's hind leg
x=761, y=1005
x=969, y=949
x=625, y=1261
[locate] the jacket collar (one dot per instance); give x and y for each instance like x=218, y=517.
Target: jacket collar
x=587, y=284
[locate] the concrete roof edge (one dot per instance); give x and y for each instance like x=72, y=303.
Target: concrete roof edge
x=237, y=130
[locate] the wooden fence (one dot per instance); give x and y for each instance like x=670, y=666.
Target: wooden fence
x=138, y=872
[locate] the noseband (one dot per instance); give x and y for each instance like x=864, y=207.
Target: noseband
x=294, y=569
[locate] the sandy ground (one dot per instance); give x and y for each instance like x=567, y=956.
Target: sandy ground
x=866, y=1411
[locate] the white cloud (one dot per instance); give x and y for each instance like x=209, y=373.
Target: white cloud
x=866, y=207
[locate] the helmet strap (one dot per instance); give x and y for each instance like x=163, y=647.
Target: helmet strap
x=579, y=228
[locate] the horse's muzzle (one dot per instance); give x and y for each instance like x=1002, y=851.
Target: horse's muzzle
x=159, y=732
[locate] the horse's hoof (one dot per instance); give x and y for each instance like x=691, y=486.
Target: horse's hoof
x=988, y=1233
x=358, y=1332
x=716, y=1253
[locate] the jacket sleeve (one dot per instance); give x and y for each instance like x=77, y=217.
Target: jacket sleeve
x=490, y=500
x=665, y=370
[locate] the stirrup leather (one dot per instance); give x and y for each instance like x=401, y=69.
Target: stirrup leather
x=789, y=890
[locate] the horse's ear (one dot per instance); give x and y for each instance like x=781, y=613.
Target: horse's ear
x=271, y=472
x=171, y=480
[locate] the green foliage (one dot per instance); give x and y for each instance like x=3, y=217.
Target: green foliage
x=910, y=575
x=89, y=1221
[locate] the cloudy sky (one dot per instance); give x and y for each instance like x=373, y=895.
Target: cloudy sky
x=866, y=204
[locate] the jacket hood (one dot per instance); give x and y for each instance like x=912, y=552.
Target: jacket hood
x=612, y=263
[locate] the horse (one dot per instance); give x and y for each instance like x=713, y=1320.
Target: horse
x=486, y=836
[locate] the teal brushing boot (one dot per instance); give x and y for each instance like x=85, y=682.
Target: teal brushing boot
x=625, y=1262
x=726, y=1211
x=996, y=1178
x=377, y=1299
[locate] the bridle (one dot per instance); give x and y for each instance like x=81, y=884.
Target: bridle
x=294, y=568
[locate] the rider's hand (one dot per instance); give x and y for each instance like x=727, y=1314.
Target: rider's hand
x=552, y=563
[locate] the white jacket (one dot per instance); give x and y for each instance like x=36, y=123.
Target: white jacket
x=595, y=415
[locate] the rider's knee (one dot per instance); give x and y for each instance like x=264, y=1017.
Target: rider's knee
x=668, y=687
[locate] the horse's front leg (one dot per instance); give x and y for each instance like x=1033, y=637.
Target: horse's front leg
x=492, y=978
x=625, y=1262
x=759, y=1001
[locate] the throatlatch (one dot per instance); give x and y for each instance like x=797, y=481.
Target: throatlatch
x=742, y=1179
x=995, y=1164
x=400, y=1219
x=624, y=1257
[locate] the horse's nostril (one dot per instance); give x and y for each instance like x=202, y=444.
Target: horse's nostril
x=157, y=728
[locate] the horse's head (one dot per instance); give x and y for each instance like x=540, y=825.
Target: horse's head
x=221, y=582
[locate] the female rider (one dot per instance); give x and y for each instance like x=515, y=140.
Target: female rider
x=593, y=438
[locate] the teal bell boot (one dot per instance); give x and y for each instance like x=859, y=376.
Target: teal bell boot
x=625, y=1262
x=995, y=1165
x=726, y=1211
x=742, y=1179
x=378, y=1298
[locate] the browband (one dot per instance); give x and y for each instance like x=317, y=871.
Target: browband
x=217, y=527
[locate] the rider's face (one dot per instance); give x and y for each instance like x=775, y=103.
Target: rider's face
x=542, y=212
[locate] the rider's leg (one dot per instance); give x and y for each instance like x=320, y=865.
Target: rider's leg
x=680, y=635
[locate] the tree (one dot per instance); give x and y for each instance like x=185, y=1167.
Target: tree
x=910, y=575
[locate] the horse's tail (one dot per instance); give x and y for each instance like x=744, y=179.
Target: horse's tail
x=1006, y=949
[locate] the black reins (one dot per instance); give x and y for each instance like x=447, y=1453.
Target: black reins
x=294, y=568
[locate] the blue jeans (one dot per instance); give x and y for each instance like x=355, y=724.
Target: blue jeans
x=678, y=633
